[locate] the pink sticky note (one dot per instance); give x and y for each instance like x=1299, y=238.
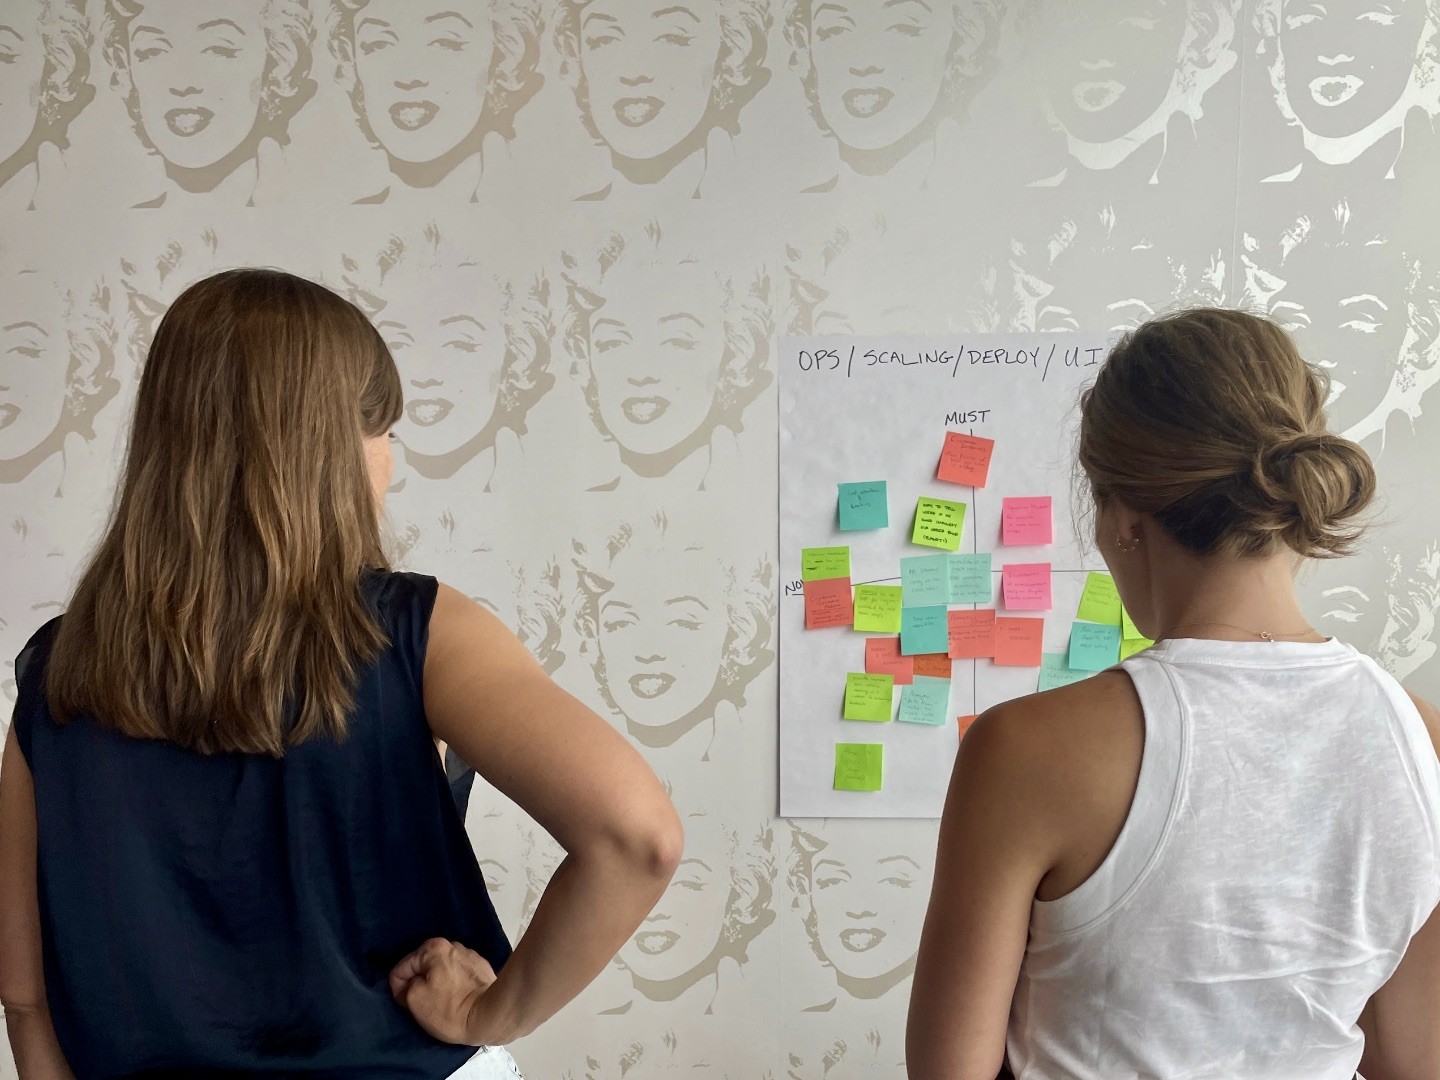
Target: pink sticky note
x=882, y=657
x=972, y=634
x=828, y=603
x=965, y=459
x=1026, y=586
x=1027, y=521
x=1019, y=641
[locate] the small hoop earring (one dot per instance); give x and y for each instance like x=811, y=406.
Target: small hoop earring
x=1134, y=545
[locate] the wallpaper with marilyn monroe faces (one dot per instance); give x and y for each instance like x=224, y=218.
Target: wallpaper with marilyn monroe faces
x=581, y=226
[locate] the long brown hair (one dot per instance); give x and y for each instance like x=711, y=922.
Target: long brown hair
x=1211, y=421
x=226, y=587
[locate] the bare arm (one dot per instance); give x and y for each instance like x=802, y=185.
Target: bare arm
x=1402, y=1019
x=488, y=699
x=22, y=977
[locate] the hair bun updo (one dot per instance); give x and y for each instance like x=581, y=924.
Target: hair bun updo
x=1210, y=421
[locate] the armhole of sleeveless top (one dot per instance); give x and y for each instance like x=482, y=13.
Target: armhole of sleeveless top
x=1417, y=751
x=413, y=626
x=1158, y=791
x=29, y=688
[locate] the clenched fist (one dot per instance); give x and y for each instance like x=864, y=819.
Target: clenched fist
x=439, y=983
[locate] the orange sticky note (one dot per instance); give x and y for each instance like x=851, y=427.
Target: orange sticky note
x=972, y=634
x=933, y=665
x=1019, y=641
x=828, y=603
x=1027, y=521
x=1026, y=586
x=882, y=657
x=965, y=722
x=965, y=459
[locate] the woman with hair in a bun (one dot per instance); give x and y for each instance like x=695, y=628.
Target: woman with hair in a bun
x=1221, y=857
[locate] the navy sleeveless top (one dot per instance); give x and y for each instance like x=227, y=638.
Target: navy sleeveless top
x=227, y=915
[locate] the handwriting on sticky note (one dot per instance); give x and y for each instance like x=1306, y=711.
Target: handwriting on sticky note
x=877, y=609
x=1018, y=640
x=1027, y=521
x=924, y=630
x=972, y=634
x=925, y=580
x=859, y=766
x=965, y=459
x=863, y=506
x=1026, y=586
x=868, y=697
x=827, y=603
x=1100, y=602
x=970, y=581
x=925, y=701
x=1094, y=646
x=932, y=665
x=822, y=563
x=883, y=657
x=1054, y=671
x=1130, y=646
x=938, y=523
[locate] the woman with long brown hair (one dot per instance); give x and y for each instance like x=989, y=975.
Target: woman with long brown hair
x=1222, y=857
x=227, y=844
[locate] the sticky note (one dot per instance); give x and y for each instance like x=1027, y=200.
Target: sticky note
x=824, y=563
x=1130, y=646
x=1094, y=646
x=1026, y=586
x=1128, y=630
x=863, y=506
x=883, y=657
x=1026, y=521
x=972, y=633
x=965, y=722
x=970, y=581
x=938, y=523
x=1018, y=641
x=924, y=629
x=877, y=608
x=965, y=459
x=859, y=766
x=925, y=580
x=868, y=697
x=925, y=701
x=827, y=603
x=1054, y=671
x=1100, y=602
x=931, y=665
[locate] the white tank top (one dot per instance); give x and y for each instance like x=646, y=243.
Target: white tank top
x=1282, y=848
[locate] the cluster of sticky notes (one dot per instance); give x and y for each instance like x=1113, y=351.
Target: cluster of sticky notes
x=863, y=506
x=825, y=578
x=859, y=766
x=1103, y=633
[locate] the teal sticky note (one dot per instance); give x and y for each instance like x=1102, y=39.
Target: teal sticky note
x=925, y=701
x=970, y=580
x=924, y=630
x=1055, y=670
x=863, y=506
x=925, y=580
x=1094, y=646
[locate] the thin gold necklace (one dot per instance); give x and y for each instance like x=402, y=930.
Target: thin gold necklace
x=1263, y=635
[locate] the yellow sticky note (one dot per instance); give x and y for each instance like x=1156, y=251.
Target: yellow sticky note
x=938, y=523
x=824, y=563
x=1100, y=602
x=869, y=697
x=1127, y=628
x=1130, y=646
x=859, y=766
x=877, y=608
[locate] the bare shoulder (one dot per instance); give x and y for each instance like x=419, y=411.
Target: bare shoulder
x=462, y=630
x=1055, y=725
x=1431, y=715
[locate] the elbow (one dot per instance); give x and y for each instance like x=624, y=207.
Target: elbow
x=649, y=843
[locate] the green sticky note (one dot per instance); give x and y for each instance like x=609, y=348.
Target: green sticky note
x=1093, y=646
x=1100, y=603
x=1056, y=671
x=877, y=608
x=859, y=766
x=1130, y=646
x=924, y=630
x=938, y=523
x=868, y=697
x=925, y=580
x=925, y=701
x=863, y=506
x=823, y=563
x=970, y=580
x=1127, y=628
